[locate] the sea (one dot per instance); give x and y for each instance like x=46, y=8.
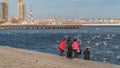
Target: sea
x=102, y=41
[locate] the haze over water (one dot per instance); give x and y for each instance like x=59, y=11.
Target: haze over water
x=103, y=41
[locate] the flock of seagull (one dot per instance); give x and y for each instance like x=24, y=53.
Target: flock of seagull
x=104, y=43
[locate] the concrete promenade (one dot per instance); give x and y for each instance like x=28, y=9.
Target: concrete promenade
x=19, y=58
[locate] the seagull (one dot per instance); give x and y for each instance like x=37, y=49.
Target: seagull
x=94, y=37
x=118, y=57
x=97, y=44
x=113, y=35
x=88, y=42
x=98, y=36
x=109, y=52
x=105, y=43
x=97, y=28
x=86, y=32
x=110, y=37
x=116, y=46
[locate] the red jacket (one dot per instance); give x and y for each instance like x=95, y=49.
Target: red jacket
x=75, y=45
x=62, y=45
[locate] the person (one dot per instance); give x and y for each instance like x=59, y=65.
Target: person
x=62, y=46
x=76, y=48
x=87, y=54
x=69, y=48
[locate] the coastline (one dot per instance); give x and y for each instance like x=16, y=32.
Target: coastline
x=100, y=24
x=19, y=58
x=51, y=26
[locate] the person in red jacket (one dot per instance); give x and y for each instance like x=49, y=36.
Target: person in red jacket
x=75, y=47
x=62, y=46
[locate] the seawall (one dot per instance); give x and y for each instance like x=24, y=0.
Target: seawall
x=19, y=58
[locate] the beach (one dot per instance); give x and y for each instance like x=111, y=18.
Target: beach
x=19, y=58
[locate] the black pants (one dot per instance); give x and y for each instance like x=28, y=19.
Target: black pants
x=75, y=53
x=69, y=52
x=61, y=52
x=87, y=57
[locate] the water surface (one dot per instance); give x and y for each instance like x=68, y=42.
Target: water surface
x=103, y=42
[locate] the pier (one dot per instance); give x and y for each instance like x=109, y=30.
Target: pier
x=40, y=26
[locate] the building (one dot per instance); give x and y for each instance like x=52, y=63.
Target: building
x=1, y=12
x=24, y=12
x=20, y=10
x=2, y=19
x=5, y=10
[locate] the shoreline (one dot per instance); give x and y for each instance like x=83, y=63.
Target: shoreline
x=100, y=24
x=20, y=58
x=55, y=26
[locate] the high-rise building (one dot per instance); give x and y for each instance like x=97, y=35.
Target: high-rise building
x=1, y=12
x=24, y=12
x=20, y=10
x=5, y=10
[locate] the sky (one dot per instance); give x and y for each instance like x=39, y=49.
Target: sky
x=70, y=8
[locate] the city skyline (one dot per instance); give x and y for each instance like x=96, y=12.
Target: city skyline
x=70, y=8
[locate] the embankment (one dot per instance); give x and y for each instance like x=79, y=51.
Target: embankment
x=19, y=58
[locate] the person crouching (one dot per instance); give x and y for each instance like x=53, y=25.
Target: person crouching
x=87, y=54
x=62, y=46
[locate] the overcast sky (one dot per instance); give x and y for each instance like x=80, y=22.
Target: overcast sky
x=70, y=8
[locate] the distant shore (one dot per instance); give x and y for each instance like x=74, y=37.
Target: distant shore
x=52, y=26
x=19, y=58
x=42, y=26
x=100, y=24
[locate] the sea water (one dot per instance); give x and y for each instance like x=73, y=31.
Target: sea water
x=103, y=41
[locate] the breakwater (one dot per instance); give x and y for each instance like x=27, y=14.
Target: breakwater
x=19, y=58
x=40, y=26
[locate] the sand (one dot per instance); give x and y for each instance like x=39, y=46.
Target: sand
x=19, y=58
